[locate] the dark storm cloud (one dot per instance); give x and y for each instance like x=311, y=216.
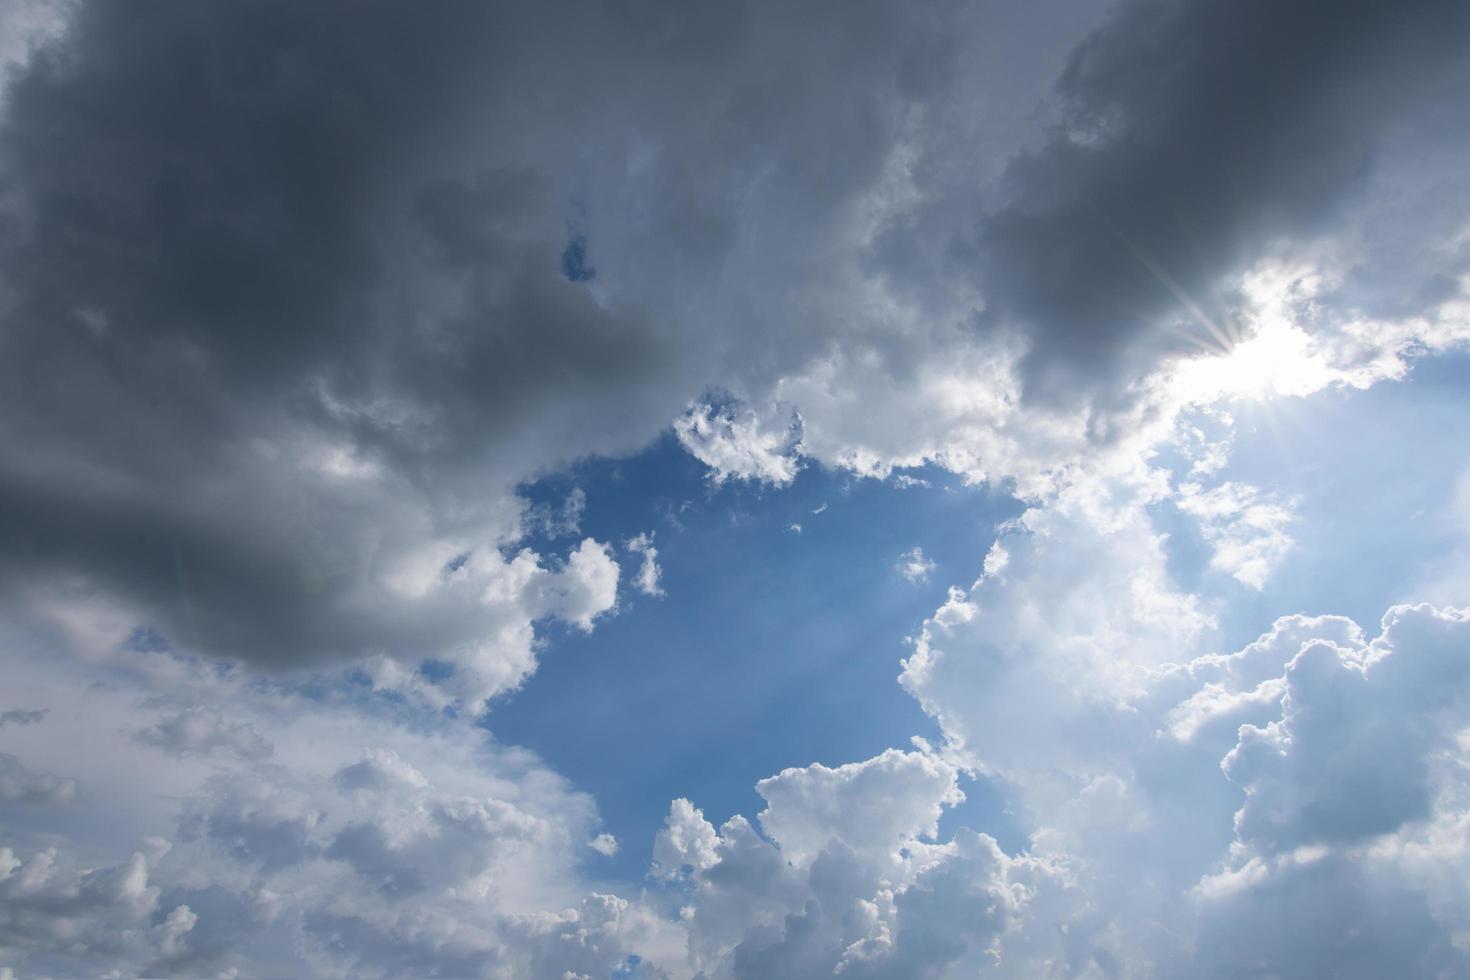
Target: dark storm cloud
x=288, y=289
x=1194, y=138
x=215, y=215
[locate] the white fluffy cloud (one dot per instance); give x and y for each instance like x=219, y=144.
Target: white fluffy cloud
x=844, y=881
x=1293, y=809
x=1310, y=773
x=874, y=808
x=736, y=443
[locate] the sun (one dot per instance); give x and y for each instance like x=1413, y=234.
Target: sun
x=1268, y=355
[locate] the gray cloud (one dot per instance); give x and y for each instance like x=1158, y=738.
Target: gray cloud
x=1354, y=753
x=23, y=716
x=285, y=298
x=286, y=290
x=1361, y=927
x=17, y=783
x=1192, y=140
x=202, y=731
x=258, y=824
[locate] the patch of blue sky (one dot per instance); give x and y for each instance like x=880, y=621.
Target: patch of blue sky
x=771, y=647
x=1372, y=476
x=574, y=261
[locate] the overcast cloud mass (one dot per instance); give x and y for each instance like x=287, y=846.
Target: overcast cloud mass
x=1099, y=371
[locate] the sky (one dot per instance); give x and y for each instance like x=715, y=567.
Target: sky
x=605, y=489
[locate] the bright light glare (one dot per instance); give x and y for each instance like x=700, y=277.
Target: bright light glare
x=1278, y=359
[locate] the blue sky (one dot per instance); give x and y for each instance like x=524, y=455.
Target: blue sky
x=735, y=491
x=1376, y=472
x=771, y=648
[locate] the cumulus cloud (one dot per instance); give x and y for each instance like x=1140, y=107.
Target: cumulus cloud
x=509, y=596
x=873, y=807
x=1056, y=639
x=367, y=842
x=56, y=913
x=1309, y=774
x=736, y=443
x=1353, y=800
x=686, y=841
x=1207, y=816
x=381, y=770
x=843, y=881
x=1353, y=754
x=262, y=824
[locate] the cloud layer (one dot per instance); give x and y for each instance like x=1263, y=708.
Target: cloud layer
x=296, y=299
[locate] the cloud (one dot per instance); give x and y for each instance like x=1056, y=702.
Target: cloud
x=913, y=566
x=17, y=783
x=312, y=323
x=26, y=25
x=686, y=841
x=735, y=443
x=296, y=297
x=380, y=771
x=202, y=731
x=508, y=597
x=586, y=588
x=261, y=824
x=1312, y=773
x=1149, y=196
x=23, y=716
x=377, y=836
x=649, y=572
x=306, y=329
x=1054, y=641
x=54, y=910
x=1353, y=800
x=590, y=940
x=560, y=521
x=873, y=807
x=1246, y=529
x=1353, y=754
x=844, y=884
